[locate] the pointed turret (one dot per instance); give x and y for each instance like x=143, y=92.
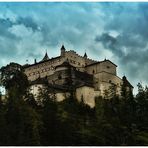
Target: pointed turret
x=63, y=50
x=85, y=55
x=35, y=61
x=85, y=58
x=45, y=57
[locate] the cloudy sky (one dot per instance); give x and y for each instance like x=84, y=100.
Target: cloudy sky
x=117, y=31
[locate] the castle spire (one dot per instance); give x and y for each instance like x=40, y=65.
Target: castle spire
x=85, y=55
x=35, y=61
x=45, y=57
x=63, y=50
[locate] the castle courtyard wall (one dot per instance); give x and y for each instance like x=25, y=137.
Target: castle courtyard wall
x=43, y=69
x=87, y=94
x=35, y=89
x=107, y=66
x=60, y=96
x=108, y=77
x=77, y=60
x=101, y=66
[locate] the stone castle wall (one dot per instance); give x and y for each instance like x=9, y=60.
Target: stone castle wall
x=43, y=69
x=106, y=66
x=46, y=68
x=77, y=60
x=86, y=94
x=99, y=75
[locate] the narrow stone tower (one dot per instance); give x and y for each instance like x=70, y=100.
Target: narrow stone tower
x=85, y=58
x=45, y=57
x=63, y=51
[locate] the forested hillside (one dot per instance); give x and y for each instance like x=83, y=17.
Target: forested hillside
x=115, y=121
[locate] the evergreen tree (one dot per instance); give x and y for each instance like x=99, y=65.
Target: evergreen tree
x=3, y=127
x=21, y=120
x=49, y=118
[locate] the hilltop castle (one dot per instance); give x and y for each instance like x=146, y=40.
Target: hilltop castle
x=70, y=72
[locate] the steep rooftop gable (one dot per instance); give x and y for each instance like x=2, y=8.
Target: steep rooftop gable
x=45, y=57
x=101, y=62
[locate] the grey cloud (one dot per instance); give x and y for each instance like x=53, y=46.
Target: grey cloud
x=33, y=55
x=130, y=48
x=109, y=42
x=28, y=22
x=5, y=24
x=12, y=46
x=106, y=38
x=129, y=17
x=131, y=53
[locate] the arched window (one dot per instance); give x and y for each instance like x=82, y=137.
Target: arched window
x=93, y=71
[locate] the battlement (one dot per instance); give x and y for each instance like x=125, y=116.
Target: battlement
x=73, y=53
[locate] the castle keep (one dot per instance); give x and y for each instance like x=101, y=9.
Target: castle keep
x=70, y=72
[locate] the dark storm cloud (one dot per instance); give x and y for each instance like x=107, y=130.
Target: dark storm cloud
x=4, y=25
x=130, y=19
x=109, y=42
x=8, y=41
x=115, y=30
x=130, y=46
x=28, y=22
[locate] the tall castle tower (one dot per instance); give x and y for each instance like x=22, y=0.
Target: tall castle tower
x=63, y=51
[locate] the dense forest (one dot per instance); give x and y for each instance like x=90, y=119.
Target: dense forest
x=115, y=121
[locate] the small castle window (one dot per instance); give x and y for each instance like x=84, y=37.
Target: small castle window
x=110, y=81
x=59, y=77
x=108, y=67
x=93, y=71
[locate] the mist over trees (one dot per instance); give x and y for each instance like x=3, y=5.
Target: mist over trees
x=24, y=122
